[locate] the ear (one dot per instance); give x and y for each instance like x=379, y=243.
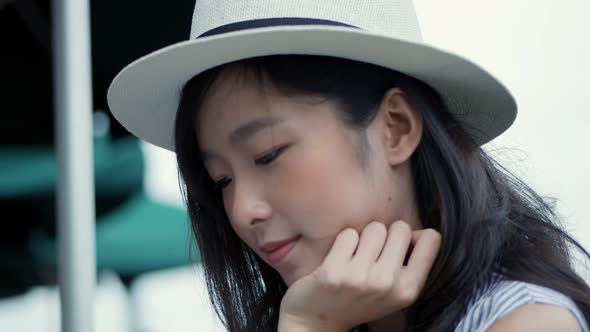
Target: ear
x=399, y=126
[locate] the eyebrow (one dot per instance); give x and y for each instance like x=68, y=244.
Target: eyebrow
x=248, y=129
x=245, y=131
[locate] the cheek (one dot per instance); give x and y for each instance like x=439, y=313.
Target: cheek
x=323, y=193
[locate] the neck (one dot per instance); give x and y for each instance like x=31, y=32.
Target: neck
x=395, y=322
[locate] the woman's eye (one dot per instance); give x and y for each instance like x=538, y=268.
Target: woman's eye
x=264, y=160
x=221, y=184
x=268, y=158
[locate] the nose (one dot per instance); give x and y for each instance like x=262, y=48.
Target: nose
x=249, y=205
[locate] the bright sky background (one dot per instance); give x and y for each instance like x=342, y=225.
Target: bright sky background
x=538, y=48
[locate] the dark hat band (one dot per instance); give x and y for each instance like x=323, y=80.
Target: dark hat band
x=270, y=22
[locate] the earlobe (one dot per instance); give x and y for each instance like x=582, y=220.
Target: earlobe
x=402, y=125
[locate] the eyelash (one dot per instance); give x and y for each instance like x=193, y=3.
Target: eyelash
x=270, y=157
x=265, y=160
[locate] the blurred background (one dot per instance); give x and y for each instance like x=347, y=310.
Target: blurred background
x=148, y=278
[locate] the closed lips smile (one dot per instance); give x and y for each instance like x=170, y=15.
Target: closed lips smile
x=276, y=251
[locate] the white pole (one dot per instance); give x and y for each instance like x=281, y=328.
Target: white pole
x=75, y=190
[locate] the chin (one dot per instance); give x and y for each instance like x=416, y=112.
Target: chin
x=292, y=276
x=290, y=279
x=288, y=282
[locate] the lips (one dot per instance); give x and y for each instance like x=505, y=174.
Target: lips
x=275, y=251
x=271, y=246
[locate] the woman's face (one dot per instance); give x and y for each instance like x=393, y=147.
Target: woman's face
x=290, y=168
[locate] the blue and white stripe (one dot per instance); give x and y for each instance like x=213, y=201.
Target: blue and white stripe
x=503, y=296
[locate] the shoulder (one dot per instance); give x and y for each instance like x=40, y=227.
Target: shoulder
x=510, y=305
x=539, y=318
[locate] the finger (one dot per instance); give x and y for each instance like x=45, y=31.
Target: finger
x=395, y=248
x=418, y=233
x=344, y=246
x=370, y=244
x=426, y=248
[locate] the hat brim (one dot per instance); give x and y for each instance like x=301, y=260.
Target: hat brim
x=144, y=96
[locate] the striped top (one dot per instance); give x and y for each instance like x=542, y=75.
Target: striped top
x=503, y=296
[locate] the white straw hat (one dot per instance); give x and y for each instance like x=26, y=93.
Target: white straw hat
x=144, y=95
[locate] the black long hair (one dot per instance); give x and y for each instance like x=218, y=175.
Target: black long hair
x=488, y=218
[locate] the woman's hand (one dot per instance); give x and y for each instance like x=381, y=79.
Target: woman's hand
x=361, y=279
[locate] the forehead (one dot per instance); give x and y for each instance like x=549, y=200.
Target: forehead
x=238, y=97
x=235, y=93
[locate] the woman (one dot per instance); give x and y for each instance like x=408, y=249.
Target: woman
x=345, y=187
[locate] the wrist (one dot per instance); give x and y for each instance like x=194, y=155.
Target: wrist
x=288, y=323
